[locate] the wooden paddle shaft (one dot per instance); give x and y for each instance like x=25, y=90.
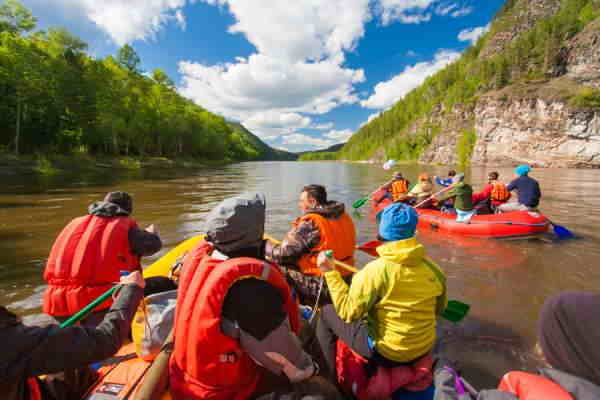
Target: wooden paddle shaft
x=432, y=196
x=340, y=264
x=156, y=381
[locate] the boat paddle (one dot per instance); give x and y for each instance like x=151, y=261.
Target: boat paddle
x=89, y=308
x=456, y=311
x=362, y=201
x=561, y=231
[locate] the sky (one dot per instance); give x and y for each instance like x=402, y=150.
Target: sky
x=302, y=74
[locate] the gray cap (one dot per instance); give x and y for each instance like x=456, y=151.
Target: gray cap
x=237, y=223
x=458, y=178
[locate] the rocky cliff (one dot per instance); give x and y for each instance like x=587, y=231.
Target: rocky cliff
x=542, y=122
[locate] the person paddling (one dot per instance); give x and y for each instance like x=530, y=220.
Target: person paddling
x=398, y=187
x=235, y=312
x=422, y=190
x=388, y=314
x=493, y=195
x=462, y=196
x=30, y=351
x=89, y=253
x=528, y=189
x=323, y=225
x=445, y=182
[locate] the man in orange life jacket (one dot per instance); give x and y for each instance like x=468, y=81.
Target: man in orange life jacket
x=88, y=255
x=323, y=225
x=235, y=312
x=398, y=187
x=494, y=193
x=29, y=351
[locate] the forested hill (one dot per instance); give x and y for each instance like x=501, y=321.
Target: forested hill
x=55, y=98
x=527, y=91
x=260, y=150
x=329, y=153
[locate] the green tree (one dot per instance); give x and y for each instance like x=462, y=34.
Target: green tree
x=129, y=59
x=14, y=18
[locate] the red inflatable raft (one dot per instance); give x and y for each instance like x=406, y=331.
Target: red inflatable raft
x=515, y=224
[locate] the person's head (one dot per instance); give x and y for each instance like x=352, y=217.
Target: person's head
x=493, y=176
x=424, y=177
x=398, y=176
x=522, y=170
x=237, y=223
x=451, y=173
x=122, y=199
x=458, y=178
x=312, y=196
x=397, y=222
x=569, y=333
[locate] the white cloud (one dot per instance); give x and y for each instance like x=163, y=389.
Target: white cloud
x=389, y=92
x=371, y=118
x=472, y=34
x=305, y=140
x=405, y=11
x=462, y=12
x=272, y=124
x=127, y=21
x=445, y=9
x=411, y=53
x=339, y=136
x=323, y=127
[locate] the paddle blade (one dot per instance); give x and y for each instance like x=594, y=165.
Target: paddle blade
x=370, y=247
x=562, y=232
x=360, y=202
x=456, y=311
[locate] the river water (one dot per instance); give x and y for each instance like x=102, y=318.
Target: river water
x=506, y=282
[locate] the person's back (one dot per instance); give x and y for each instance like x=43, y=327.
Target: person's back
x=89, y=254
x=528, y=190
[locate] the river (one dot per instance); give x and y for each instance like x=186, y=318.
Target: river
x=506, y=282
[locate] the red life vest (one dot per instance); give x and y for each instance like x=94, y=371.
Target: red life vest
x=532, y=387
x=85, y=261
x=338, y=235
x=34, y=389
x=207, y=364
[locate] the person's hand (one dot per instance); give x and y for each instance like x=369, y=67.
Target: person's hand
x=152, y=229
x=134, y=278
x=324, y=263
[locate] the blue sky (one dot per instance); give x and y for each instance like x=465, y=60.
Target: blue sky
x=301, y=75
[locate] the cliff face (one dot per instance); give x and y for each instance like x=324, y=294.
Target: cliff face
x=537, y=123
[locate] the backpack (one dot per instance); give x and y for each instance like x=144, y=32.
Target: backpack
x=152, y=323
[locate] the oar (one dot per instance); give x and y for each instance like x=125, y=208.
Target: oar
x=361, y=202
x=89, y=308
x=456, y=310
x=561, y=231
x=433, y=195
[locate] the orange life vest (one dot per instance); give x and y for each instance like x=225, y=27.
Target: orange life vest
x=85, y=261
x=532, y=387
x=207, y=364
x=499, y=192
x=399, y=189
x=338, y=235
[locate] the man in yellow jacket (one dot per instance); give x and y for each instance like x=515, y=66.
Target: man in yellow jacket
x=388, y=315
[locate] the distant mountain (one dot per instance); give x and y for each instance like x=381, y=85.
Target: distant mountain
x=259, y=150
x=330, y=153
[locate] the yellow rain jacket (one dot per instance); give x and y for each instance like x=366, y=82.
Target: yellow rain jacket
x=400, y=295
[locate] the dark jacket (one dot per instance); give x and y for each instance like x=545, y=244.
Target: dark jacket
x=462, y=194
x=529, y=190
x=29, y=351
x=302, y=238
x=141, y=242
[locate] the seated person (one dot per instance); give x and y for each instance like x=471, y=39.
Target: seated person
x=568, y=333
x=398, y=187
x=235, y=313
x=323, y=225
x=445, y=182
x=462, y=195
x=493, y=195
x=528, y=190
x=30, y=351
x=422, y=191
x=388, y=314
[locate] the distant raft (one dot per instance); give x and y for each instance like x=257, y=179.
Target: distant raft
x=516, y=224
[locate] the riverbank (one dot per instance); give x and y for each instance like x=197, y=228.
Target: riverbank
x=43, y=164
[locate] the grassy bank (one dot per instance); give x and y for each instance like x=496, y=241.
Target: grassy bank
x=50, y=164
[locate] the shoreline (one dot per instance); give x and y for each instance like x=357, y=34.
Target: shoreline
x=44, y=164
